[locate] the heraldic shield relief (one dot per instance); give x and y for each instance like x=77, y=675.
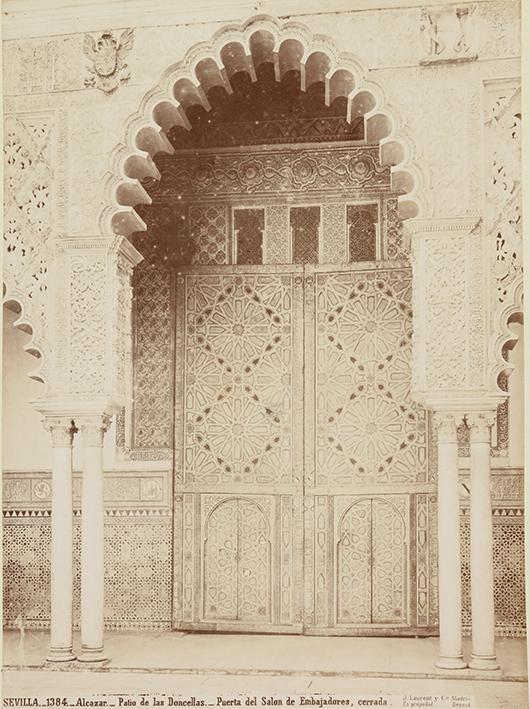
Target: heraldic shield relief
x=107, y=55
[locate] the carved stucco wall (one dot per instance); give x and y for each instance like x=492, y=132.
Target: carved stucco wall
x=44, y=80
x=44, y=86
x=49, y=73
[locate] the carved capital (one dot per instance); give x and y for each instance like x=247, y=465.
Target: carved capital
x=62, y=430
x=93, y=429
x=479, y=424
x=446, y=424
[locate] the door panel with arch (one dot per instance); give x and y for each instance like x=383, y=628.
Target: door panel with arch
x=372, y=563
x=237, y=563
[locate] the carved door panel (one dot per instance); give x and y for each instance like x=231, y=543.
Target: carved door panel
x=371, y=564
x=238, y=448
x=354, y=565
x=389, y=564
x=254, y=565
x=221, y=562
x=237, y=563
x=365, y=441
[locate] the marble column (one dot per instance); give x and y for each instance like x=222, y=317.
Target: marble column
x=481, y=541
x=92, y=539
x=449, y=577
x=61, y=591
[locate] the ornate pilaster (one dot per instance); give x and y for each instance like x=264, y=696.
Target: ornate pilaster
x=93, y=312
x=450, y=588
x=92, y=429
x=448, y=297
x=481, y=538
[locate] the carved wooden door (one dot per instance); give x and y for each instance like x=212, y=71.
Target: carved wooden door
x=297, y=448
x=238, y=449
x=364, y=448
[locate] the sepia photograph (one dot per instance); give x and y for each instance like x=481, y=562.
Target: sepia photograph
x=263, y=362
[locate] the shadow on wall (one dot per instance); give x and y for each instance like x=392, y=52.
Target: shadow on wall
x=516, y=401
x=25, y=443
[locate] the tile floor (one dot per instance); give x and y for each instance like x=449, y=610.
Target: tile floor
x=211, y=663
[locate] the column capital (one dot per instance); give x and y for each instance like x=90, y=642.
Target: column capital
x=480, y=424
x=62, y=430
x=446, y=423
x=93, y=428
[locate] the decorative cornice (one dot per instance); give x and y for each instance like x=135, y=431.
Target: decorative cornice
x=35, y=18
x=75, y=407
x=113, y=513
x=111, y=244
x=498, y=512
x=70, y=243
x=460, y=402
x=441, y=225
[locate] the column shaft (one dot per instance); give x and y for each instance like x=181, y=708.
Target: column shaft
x=449, y=576
x=92, y=545
x=61, y=589
x=481, y=539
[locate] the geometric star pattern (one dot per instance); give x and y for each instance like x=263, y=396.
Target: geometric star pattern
x=238, y=378
x=368, y=427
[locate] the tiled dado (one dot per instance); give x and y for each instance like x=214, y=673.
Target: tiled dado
x=138, y=544
x=31, y=492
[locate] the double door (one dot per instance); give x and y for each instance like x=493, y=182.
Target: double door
x=297, y=448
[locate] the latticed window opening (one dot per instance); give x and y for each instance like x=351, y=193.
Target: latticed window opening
x=248, y=229
x=305, y=228
x=362, y=231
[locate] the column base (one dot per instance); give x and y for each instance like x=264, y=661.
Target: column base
x=484, y=662
x=89, y=654
x=60, y=654
x=450, y=663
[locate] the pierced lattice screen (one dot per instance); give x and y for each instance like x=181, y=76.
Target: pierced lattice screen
x=508, y=570
x=305, y=226
x=248, y=229
x=362, y=231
